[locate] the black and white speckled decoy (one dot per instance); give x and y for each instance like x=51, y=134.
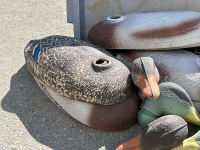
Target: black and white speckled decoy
x=85, y=81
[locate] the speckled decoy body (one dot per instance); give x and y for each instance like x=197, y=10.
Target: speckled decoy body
x=148, y=31
x=179, y=66
x=166, y=132
x=85, y=81
x=173, y=100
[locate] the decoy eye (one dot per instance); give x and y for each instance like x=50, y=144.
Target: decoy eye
x=101, y=64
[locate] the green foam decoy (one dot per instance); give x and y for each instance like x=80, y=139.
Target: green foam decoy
x=173, y=100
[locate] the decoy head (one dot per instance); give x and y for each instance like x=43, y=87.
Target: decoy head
x=145, y=76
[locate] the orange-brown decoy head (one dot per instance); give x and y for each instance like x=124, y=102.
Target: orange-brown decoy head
x=145, y=76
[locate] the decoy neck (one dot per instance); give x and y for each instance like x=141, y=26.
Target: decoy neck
x=146, y=77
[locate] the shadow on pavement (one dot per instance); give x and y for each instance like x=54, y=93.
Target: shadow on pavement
x=49, y=125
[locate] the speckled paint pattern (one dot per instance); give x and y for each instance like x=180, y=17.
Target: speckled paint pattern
x=115, y=117
x=64, y=64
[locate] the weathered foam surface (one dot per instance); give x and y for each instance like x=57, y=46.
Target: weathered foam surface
x=117, y=117
x=85, y=81
x=148, y=31
x=181, y=67
x=71, y=68
x=164, y=133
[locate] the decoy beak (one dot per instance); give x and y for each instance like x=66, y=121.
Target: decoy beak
x=132, y=144
x=149, y=86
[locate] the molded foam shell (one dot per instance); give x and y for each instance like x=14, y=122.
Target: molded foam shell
x=85, y=80
x=148, y=31
x=117, y=117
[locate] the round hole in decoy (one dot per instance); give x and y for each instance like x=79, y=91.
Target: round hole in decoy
x=102, y=61
x=114, y=17
x=101, y=64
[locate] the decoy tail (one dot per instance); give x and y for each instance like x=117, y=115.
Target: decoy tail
x=193, y=116
x=145, y=76
x=192, y=143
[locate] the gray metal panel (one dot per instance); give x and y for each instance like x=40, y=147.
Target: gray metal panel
x=79, y=18
x=76, y=14
x=96, y=11
x=82, y=19
x=70, y=18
